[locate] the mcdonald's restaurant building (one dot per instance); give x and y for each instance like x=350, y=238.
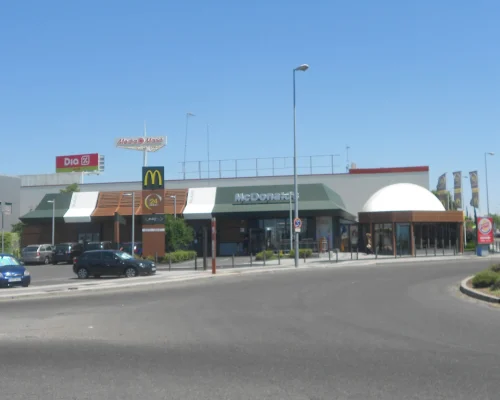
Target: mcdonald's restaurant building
x=251, y=213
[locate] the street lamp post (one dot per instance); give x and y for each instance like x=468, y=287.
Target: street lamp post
x=291, y=221
x=302, y=68
x=175, y=205
x=53, y=201
x=486, y=172
x=186, y=141
x=133, y=222
x=463, y=208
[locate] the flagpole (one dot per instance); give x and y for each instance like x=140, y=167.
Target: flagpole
x=463, y=207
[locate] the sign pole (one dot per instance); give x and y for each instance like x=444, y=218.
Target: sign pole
x=1, y=207
x=214, y=247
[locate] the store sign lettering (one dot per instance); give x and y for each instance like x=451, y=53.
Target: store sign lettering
x=245, y=198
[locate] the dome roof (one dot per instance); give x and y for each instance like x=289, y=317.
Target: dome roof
x=403, y=197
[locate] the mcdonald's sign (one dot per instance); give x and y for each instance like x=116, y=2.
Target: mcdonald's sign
x=153, y=178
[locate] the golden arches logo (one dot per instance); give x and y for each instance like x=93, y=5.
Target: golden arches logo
x=151, y=177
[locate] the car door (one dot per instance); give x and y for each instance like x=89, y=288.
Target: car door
x=111, y=263
x=94, y=262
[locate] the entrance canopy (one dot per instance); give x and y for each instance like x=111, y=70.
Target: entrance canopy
x=44, y=209
x=200, y=203
x=313, y=198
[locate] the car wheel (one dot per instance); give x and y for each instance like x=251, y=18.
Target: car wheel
x=130, y=272
x=82, y=273
x=46, y=261
x=25, y=284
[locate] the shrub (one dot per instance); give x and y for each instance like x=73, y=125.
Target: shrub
x=269, y=255
x=485, y=279
x=470, y=246
x=496, y=285
x=302, y=252
x=495, y=268
x=180, y=256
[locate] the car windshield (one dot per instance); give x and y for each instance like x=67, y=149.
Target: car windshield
x=123, y=255
x=8, y=260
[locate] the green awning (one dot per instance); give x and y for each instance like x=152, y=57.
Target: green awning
x=275, y=199
x=44, y=208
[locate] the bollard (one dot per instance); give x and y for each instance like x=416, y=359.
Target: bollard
x=196, y=262
x=396, y=250
x=279, y=257
x=329, y=256
x=336, y=255
x=455, y=250
x=376, y=252
x=233, y=260
x=351, y=253
x=435, y=247
x=156, y=257
x=357, y=253
x=169, y=261
x=304, y=257
x=426, y=251
x=442, y=244
x=264, y=253
x=251, y=259
x=449, y=244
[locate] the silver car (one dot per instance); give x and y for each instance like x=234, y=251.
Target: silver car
x=37, y=254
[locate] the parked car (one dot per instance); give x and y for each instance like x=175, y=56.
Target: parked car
x=127, y=248
x=13, y=272
x=98, y=246
x=37, y=254
x=66, y=252
x=99, y=263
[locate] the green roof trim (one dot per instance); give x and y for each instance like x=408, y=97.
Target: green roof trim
x=312, y=197
x=44, y=208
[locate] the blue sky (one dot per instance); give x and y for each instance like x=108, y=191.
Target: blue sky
x=401, y=83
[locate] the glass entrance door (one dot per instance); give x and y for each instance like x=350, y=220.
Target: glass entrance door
x=403, y=239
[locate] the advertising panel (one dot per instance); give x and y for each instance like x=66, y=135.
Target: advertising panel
x=485, y=233
x=153, y=178
x=149, y=143
x=78, y=163
x=153, y=202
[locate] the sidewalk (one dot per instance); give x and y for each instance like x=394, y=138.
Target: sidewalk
x=164, y=276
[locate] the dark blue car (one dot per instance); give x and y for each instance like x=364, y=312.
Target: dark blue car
x=12, y=272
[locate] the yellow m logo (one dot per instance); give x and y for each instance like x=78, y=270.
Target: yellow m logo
x=153, y=178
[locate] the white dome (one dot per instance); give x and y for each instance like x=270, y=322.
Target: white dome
x=403, y=197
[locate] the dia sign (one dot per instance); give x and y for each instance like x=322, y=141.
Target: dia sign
x=78, y=163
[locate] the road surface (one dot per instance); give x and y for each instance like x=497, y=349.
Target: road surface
x=400, y=331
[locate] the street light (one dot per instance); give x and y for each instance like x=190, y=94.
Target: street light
x=175, y=205
x=53, y=201
x=186, y=141
x=133, y=221
x=463, y=208
x=486, y=170
x=302, y=68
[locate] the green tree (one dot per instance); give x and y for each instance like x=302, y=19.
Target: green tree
x=178, y=234
x=18, y=228
x=71, y=188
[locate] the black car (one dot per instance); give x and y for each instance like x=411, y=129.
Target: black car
x=99, y=263
x=66, y=252
x=98, y=246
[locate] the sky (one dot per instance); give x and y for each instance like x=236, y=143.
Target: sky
x=400, y=83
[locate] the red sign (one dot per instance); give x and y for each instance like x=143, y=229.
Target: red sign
x=77, y=163
x=485, y=234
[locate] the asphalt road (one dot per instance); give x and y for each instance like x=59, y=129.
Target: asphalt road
x=400, y=331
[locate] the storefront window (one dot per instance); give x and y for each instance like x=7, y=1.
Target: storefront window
x=383, y=239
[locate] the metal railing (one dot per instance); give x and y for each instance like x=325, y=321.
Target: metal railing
x=255, y=167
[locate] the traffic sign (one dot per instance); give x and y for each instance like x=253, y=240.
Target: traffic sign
x=297, y=223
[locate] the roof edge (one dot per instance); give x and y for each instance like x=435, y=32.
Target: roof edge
x=395, y=170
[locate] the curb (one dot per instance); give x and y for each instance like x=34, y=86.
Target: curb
x=477, y=294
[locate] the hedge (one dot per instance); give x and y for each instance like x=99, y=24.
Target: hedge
x=179, y=256
x=269, y=255
x=302, y=252
x=485, y=279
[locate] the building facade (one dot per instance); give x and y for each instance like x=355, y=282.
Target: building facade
x=252, y=213
x=10, y=199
